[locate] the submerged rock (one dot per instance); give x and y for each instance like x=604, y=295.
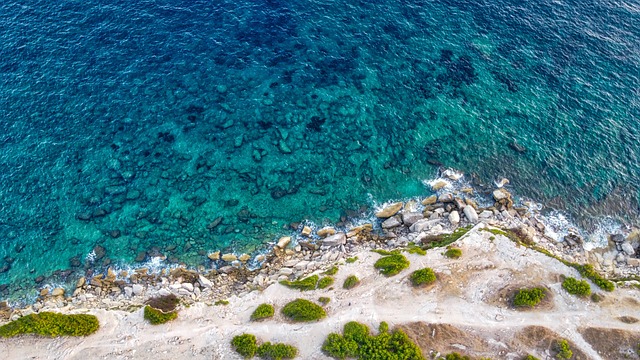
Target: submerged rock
x=390, y=210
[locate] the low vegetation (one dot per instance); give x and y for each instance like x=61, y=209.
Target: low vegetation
x=530, y=357
x=161, y=309
x=221, y=302
x=590, y=273
x=453, y=253
x=576, y=287
x=301, y=310
x=529, y=297
x=325, y=282
x=357, y=342
x=415, y=249
x=391, y=264
x=351, y=260
x=423, y=277
x=247, y=346
x=306, y=284
x=351, y=282
x=157, y=317
x=51, y=324
x=263, y=311
x=324, y=300
x=447, y=239
x=564, y=352
x=386, y=252
x=276, y=351
x=331, y=271
x=455, y=356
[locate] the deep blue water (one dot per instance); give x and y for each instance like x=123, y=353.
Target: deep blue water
x=134, y=125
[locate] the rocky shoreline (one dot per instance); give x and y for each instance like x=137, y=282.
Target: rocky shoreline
x=398, y=225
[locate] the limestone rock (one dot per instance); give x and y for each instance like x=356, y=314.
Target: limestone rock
x=57, y=292
x=306, y=231
x=229, y=257
x=424, y=224
x=204, y=282
x=627, y=248
x=411, y=218
x=214, y=255
x=128, y=291
x=44, y=292
x=471, y=214
x=81, y=282
x=391, y=222
x=390, y=210
x=188, y=286
x=501, y=194
x=335, y=240
x=429, y=200
x=454, y=217
x=244, y=257
x=283, y=242
x=445, y=198
x=324, y=232
x=633, y=262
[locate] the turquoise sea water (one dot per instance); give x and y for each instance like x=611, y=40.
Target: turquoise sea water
x=137, y=126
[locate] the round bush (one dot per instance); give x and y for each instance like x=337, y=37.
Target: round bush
x=157, y=317
x=421, y=277
x=301, y=310
x=245, y=345
x=392, y=264
x=263, y=311
x=453, y=253
x=576, y=287
x=351, y=282
x=51, y=324
x=529, y=297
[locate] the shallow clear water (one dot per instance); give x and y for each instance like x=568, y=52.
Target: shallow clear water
x=134, y=125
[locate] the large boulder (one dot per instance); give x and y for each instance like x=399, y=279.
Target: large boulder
x=391, y=223
x=335, y=240
x=390, y=210
x=423, y=225
x=411, y=218
x=471, y=214
x=430, y=200
x=283, y=242
x=454, y=217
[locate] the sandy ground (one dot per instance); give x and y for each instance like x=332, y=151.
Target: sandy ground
x=470, y=295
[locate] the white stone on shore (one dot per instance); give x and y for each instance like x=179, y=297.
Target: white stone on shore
x=335, y=240
x=454, y=217
x=204, y=282
x=137, y=289
x=306, y=231
x=128, y=291
x=283, y=242
x=485, y=214
x=410, y=218
x=471, y=214
x=424, y=224
x=501, y=194
x=390, y=210
x=627, y=248
x=164, y=292
x=285, y=271
x=188, y=286
x=391, y=223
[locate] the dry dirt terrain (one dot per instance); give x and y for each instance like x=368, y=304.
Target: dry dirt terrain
x=468, y=311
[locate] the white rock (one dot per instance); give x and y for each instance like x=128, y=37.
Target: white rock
x=128, y=291
x=424, y=224
x=485, y=214
x=334, y=240
x=471, y=214
x=137, y=289
x=391, y=223
x=410, y=218
x=204, y=282
x=454, y=217
x=284, y=241
x=164, y=292
x=286, y=271
x=187, y=286
x=627, y=248
x=302, y=265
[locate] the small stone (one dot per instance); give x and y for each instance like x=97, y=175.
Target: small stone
x=501, y=194
x=229, y=257
x=244, y=257
x=454, y=217
x=44, y=292
x=471, y=214
x=485, y=214
x=57, y=292
x=430, y=200
x=260, y=258
x=285, y=271
x=324, y=232
x=164, y=292
x=306, y=231
x=81, y=282
x=283, y=242
x=214, y=255
x=390, y=210
x=391, y=222
x=128, y=291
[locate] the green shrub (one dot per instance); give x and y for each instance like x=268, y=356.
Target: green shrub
x=351, y=260
x=392, y=264
x=221, y=302
x=529, y=297
x=415, y=249
x=331, y=271
x=446, y=239
x=301, y=310
x=305, y=284
x=530, y=357
x=157, y=317
x=383, y=327
x=564, y=352
x=424, y=276
x=357, y=342
x=263, y=311
x=276, y=351
x=51, y=324
x=453, y=253
x=576, y=287
x=386, y=252
x=245, y=345
x=456, y=356
x=324, y=300
x=351, y=282
x=590, y=273
x=325, y=282
x=596, y=298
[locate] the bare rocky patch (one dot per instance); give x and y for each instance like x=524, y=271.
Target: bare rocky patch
x=613, y=343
